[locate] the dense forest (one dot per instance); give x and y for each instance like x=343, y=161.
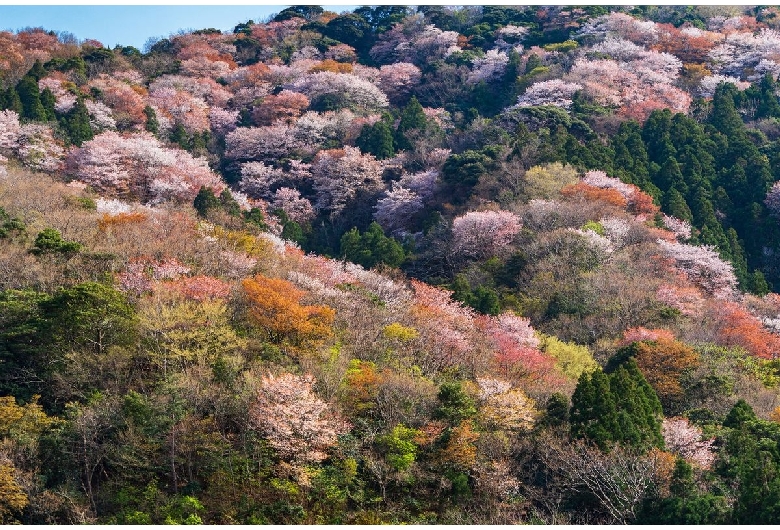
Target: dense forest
x=473, y=265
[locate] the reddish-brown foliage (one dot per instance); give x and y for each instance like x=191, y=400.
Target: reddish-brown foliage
x=274, y=304
x=737, y=327
x=586, y=193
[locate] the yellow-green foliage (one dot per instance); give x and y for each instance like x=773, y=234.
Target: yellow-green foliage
x=400, y=332
x=242, y=241
x=571, y=359
x=565, y=46
x=595, y=226
x=544, y=182
x=180, y=332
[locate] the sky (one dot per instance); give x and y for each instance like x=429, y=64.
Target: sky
x=133, y=25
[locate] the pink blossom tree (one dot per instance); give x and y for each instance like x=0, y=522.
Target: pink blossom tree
x=295, y=421
x=340, y=174
x=395, y=209
x=297, y=208
x=686, y=440
x=483, y=234
x=258, y=179
x=9, y=129
x=488, y=68
x=703, y=266
x=397, y=80
x=341, y=91
x=139, y=167
x=269, y=143
x=554, y=92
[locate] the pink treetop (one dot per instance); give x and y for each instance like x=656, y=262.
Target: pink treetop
x=269, y=143
x=9, y=129
x=355, y=93
x=554, y=92
x=140, y=168
x=297, y=208
x=703, y=266
x=772, y=200
x=640, y=334
x=483, y=234
x=686, y=440
x=294, y=420
x=398, y=79
x=340, y=174
x=488, y=68
x=396, y=207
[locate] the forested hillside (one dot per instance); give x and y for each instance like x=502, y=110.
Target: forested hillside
x=474, y=265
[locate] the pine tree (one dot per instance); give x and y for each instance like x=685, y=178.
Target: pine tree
x=205, y=200
x=151, y=125
x=616, y=408
x=10, y=101
x=76, y=124
x=412, y=118
x=30, y=96
x=377, y=140
x=674, y=204
x=48, y=100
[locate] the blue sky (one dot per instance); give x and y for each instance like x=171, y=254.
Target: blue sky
x=133, y=25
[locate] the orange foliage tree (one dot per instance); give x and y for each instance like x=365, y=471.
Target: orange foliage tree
x=664, y=361
x=274, y=304
x=587, y=193
x=737, y=327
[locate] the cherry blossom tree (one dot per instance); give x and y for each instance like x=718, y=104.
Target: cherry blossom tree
x=554, y=92
x=126, y=102
x=682, y=229
x=287, y=105
x=258, y=179
x=65, y=100
x=688, y=300
x=200, y=87
x=488, y=68
x=642, y=32
x=686, y=440
x=182, y=108
x=742, y=52
x=295, y=421
x=483, y=234
x=100, y=117
x=9, y=129
x=270, y=143
x=413, y=41
x=703, y=266
x=772, y=199
x=297, y=208
x=396, y=207
x=39, y=149
x=397, y=80
x=340, y=174
x=340, y=91
x=139, y=167
x=223, y=121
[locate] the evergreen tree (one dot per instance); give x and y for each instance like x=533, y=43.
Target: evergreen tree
x=205, y=200
x=412, y=118
x=620, y=407
x=376, y=139
x=674, y=204
x=371, y=248
x=76, y=124
x=30, y=96
x=151, y=125
x=11, y=101
x=48, y=101
x=37, y=71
